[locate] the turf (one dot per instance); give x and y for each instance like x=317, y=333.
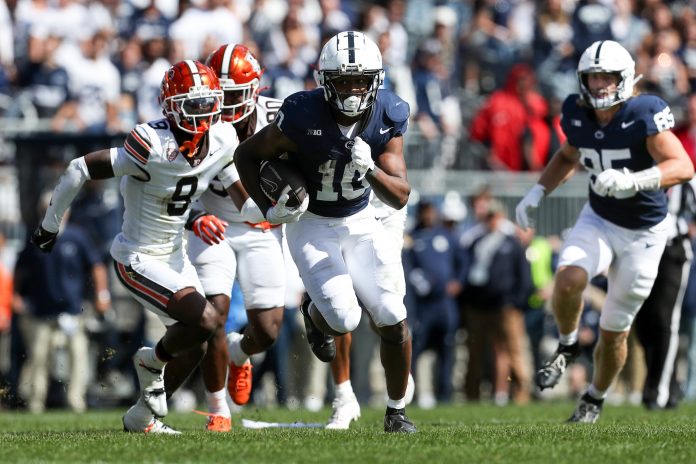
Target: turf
x=457, y=434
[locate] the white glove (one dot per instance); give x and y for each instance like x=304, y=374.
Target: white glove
x=279, y=213
x=625, y=184
x=528, y=205
x=615, y=183
x=362, y=156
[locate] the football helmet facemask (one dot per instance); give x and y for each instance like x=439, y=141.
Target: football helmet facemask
x=607, y=56
x=240, y=77
x=190, y=96
x=350, y=72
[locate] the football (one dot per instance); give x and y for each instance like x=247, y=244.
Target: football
x=275, y=175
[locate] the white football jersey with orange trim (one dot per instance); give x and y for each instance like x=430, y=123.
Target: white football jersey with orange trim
x=158, y=199
x=215, y=200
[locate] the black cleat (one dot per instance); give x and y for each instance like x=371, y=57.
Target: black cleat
x=323, y=346
x=396, y=421
x=587, y=411
x=550, y=373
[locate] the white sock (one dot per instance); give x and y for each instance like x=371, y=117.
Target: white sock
x=217, y=403
x=345, y=390
x=595, y=393
x=234, y=346
x=396, y=404
x=568, y=339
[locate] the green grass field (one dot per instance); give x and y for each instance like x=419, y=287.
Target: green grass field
x=457, y=434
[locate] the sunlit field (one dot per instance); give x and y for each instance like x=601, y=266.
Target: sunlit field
x=461, y=434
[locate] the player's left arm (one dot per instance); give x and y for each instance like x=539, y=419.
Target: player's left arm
x=672, y=160
x=388, y=179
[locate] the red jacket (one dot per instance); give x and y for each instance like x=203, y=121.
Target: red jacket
x=504, y=119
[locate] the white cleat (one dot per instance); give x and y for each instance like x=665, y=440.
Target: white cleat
x=130, y=424
x=151, y=384
x=344, y=412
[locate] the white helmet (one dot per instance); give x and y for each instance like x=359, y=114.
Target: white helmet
x=349, y=54
x=607, y=56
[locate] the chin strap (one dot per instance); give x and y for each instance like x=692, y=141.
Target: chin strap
x=190, y=147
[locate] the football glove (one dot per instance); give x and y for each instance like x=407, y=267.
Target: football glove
x=528, y=205
x=625, y=184
x=279, y=213
x=209, y=228
x=43, y=239
x=361, y=153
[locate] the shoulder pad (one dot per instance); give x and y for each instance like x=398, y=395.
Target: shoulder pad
x=397, y=109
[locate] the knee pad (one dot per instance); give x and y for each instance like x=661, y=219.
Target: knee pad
x=397, y=334
x=341, y=320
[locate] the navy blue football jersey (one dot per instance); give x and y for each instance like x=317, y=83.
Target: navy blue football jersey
x=323, y=156
x=620, y=144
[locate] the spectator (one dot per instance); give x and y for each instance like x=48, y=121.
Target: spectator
x=657, y=322
x=435, y=263
x=44, y=79
x=497, y=284
x=591, y=22
x=663, y=71
x=6, y=297
x=688, y=51
x=512, y=123
x=95, y=86
x=205, y=20
x=627, y=28
x=552, y=48
x=686, y=132
x=432, y=89
x=51, y=289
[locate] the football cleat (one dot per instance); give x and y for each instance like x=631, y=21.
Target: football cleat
x=587, y=411
x=239, y=383
x=154, y=426
x=323, y=346
x=151, y=383
x=218, y=424
x=396, y=421
x=344, y=412
x=550, y=373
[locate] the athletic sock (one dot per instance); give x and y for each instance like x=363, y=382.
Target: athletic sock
x=344, y=390
x=596, y=394
x=396, y=404
x=217, y=403
x=234, y=346
x=568, y=339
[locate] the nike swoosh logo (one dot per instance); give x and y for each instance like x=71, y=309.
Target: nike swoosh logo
x=648, y=245
x=625, y=125
x=384, y=131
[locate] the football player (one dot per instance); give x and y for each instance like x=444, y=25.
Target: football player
x=625, y=142
x=164, y=166
x=251, y=250
x=346, y=139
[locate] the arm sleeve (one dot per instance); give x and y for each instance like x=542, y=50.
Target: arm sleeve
x=228, y=175
x=69, y=184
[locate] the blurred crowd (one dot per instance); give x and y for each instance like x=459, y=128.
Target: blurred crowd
x=491, y=74
x=485, y=80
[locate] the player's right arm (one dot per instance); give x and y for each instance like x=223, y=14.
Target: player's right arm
x=267, y=144
x=98, y=165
